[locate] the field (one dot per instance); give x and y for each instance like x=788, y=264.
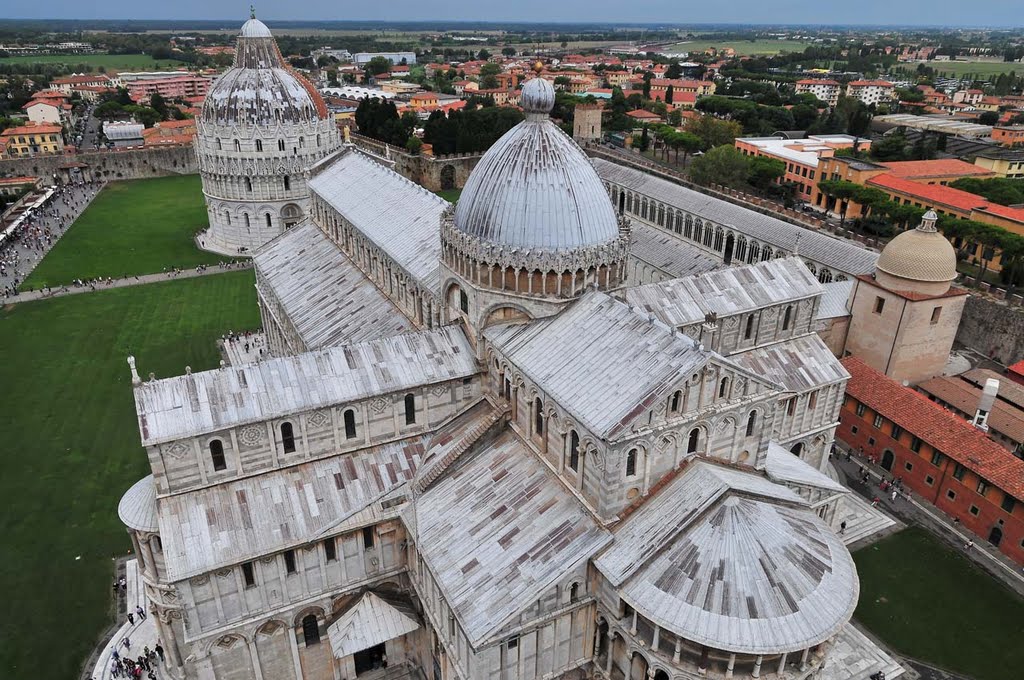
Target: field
x=983, y=70
x=929, y=602
x=743, y=47
x=133, y=227
x=71, y=447
x=117, y=62
x=450, y=195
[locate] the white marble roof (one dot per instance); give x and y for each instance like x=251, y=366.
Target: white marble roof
x=189, y=405
x=837, y=254
x=371, y=621
x=798, y=364
x=328, y=300
x=668, y=252
x=137, y=508
x=398, y=216
x=600, y=359
x=742, y=566
x=725, y=292
x=784, y=467
x=835, y=299
x=247, y=518
x=497, y=531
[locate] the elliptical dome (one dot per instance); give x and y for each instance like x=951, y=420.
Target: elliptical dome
x=921, y=254
x=535, y=188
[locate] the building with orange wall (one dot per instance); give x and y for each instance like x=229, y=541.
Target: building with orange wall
x=801, y=156
x=1008, y=135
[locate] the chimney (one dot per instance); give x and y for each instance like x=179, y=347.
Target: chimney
x=988, y=398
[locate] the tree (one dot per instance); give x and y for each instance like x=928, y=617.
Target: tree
x=669, y=94
x=892, y=147
x=764, y=172
x=687, y=143
x=674, y=70
x=989, y=118
x=508, y=51
x=675, y=117
x=645, y=140
x=414, y=145
x=489, y=76
x=158, y=104
x=483, y=55
x=721, y=165
x=377, y=65
x=647, y=84
x=713, y=131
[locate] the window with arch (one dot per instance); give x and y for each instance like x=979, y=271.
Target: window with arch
x=574, y=450
x=766, y=254
x=287, y=183
x=270, y=222
x=689, y=226
x=574, y=592
x=410, y=409
x=755, y=252
x=723, y=388
x=631, y=463
x=227, y=216
x=318, y=140
x=463, y=302
x=157, y=544
x=238, y=145
x=787, y=318
x=302, y=142
x=538, y=416
x=248, y=185
x=751, y=423
x=287, y=437
x=245, y=216
x=259, y=145
x=693, y=441
x=310, y=630
x=350, y=424
x=748, y=332
x=677, y=401
x=280, y=145
x=217, y=455
x=220, y=147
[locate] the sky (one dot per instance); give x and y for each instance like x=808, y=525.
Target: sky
x=1001, y=13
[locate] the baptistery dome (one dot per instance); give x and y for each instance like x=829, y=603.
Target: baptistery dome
x=535, y=188
x=920, y=259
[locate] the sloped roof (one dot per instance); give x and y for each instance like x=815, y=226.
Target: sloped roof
x=192, y=404
x=726, y=292
x=798, y=364
x=668, y=252
x=371, y=621
x=398, y=216
x=328, y=300
x=834, y=300
x=961, y=395
x=784, y=467
x=137, y=508
x=599, y=359
x=497, y=531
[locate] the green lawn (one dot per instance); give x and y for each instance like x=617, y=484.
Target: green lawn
x=450, y=195
x=929, y=602
x=134, y=227
x=743, y=47
x=71, y=447
x=982, y=70
x=119, y=62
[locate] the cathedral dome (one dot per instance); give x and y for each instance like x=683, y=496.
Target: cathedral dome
x=260, y=88
x=535, y=188
x=922, y=255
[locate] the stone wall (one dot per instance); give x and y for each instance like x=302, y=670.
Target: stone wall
x=435, y=173
x=107, y=165
x=994, y=328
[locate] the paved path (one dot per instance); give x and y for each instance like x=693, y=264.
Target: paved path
x=124, y=283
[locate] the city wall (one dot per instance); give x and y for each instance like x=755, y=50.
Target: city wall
x=105, y=165
x=993, y=328
x=436, y=173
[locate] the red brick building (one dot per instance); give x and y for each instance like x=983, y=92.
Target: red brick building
x=940, y=456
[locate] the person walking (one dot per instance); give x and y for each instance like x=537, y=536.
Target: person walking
x=140, y=612
x=131, y=618
x=160, y=651
x=842, y=528
x=895, y=494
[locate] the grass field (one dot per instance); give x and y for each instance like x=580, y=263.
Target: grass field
x=743, y=47
x=135, y=227
x=927, y=601
x=118, y=62
x=450, y=195
x=982, y=70
x=71, y=447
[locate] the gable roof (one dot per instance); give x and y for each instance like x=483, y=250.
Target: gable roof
x=600, y=359
x=798, y=364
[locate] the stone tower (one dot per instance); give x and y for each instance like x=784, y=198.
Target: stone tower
x=904, y=317
x=586, y=125
x=261, y=128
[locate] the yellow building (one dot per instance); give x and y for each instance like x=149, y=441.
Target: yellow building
x=1004, y=163
x=32, y=140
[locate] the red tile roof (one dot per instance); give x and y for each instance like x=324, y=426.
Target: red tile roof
x=31, y=129
x=936, y=168
x=931, y=193
x=866, y=83
x=942, y=429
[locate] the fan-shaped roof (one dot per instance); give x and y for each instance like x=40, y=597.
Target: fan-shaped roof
x=137, y=508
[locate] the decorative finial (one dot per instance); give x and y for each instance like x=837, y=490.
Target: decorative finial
x=152, y=376
x=928, y=222
x=136, y=380
x=538, y=66
x=252, y=11
x=223, y=363
x=188, y=370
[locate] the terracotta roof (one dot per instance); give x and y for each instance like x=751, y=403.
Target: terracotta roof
x=963, y=396
x=18, y=180
x=937, y=168
x=940, y=428
x=812, y=81
x=643, y=114
x=1017, y=368
x=31, y=130
x=1004, y=211
x=930, y=193
x=913, y=295
x=867, y=83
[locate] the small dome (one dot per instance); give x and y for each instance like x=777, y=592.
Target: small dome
x=921, y=254
x=254, y=28
x=137, y=508
x=538, y=96
x=535, y=188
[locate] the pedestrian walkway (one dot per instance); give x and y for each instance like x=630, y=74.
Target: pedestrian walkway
x=124, y=283
x=140, y=633
x=248, y=348
x=855, y=656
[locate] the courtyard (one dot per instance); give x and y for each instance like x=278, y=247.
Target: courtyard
x=929, y=602
x=72, y=446
x=131, y=228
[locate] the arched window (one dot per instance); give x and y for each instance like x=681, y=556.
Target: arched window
x=723, y=388
x=751, y=423
x=259, y=145
x=269, y=222
x=463, y=302
x=157, y=544
x=574, y=451
x=787, y=317
x=311, y=630
x=318, y=140
x=350, y=424
x=227, y=216
x=631, y=463
x=280, y=145
x=538, y=416
x=246, y=216
x=410, y=409
x=574, y=592
x=248, y=184
x=287, y=183
x=689, y=226
x=238, y=145
x=217, y=455
x=220, y=147
x=677, y=401
x=748, y=332
x=693, y=441
x=287, y=437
